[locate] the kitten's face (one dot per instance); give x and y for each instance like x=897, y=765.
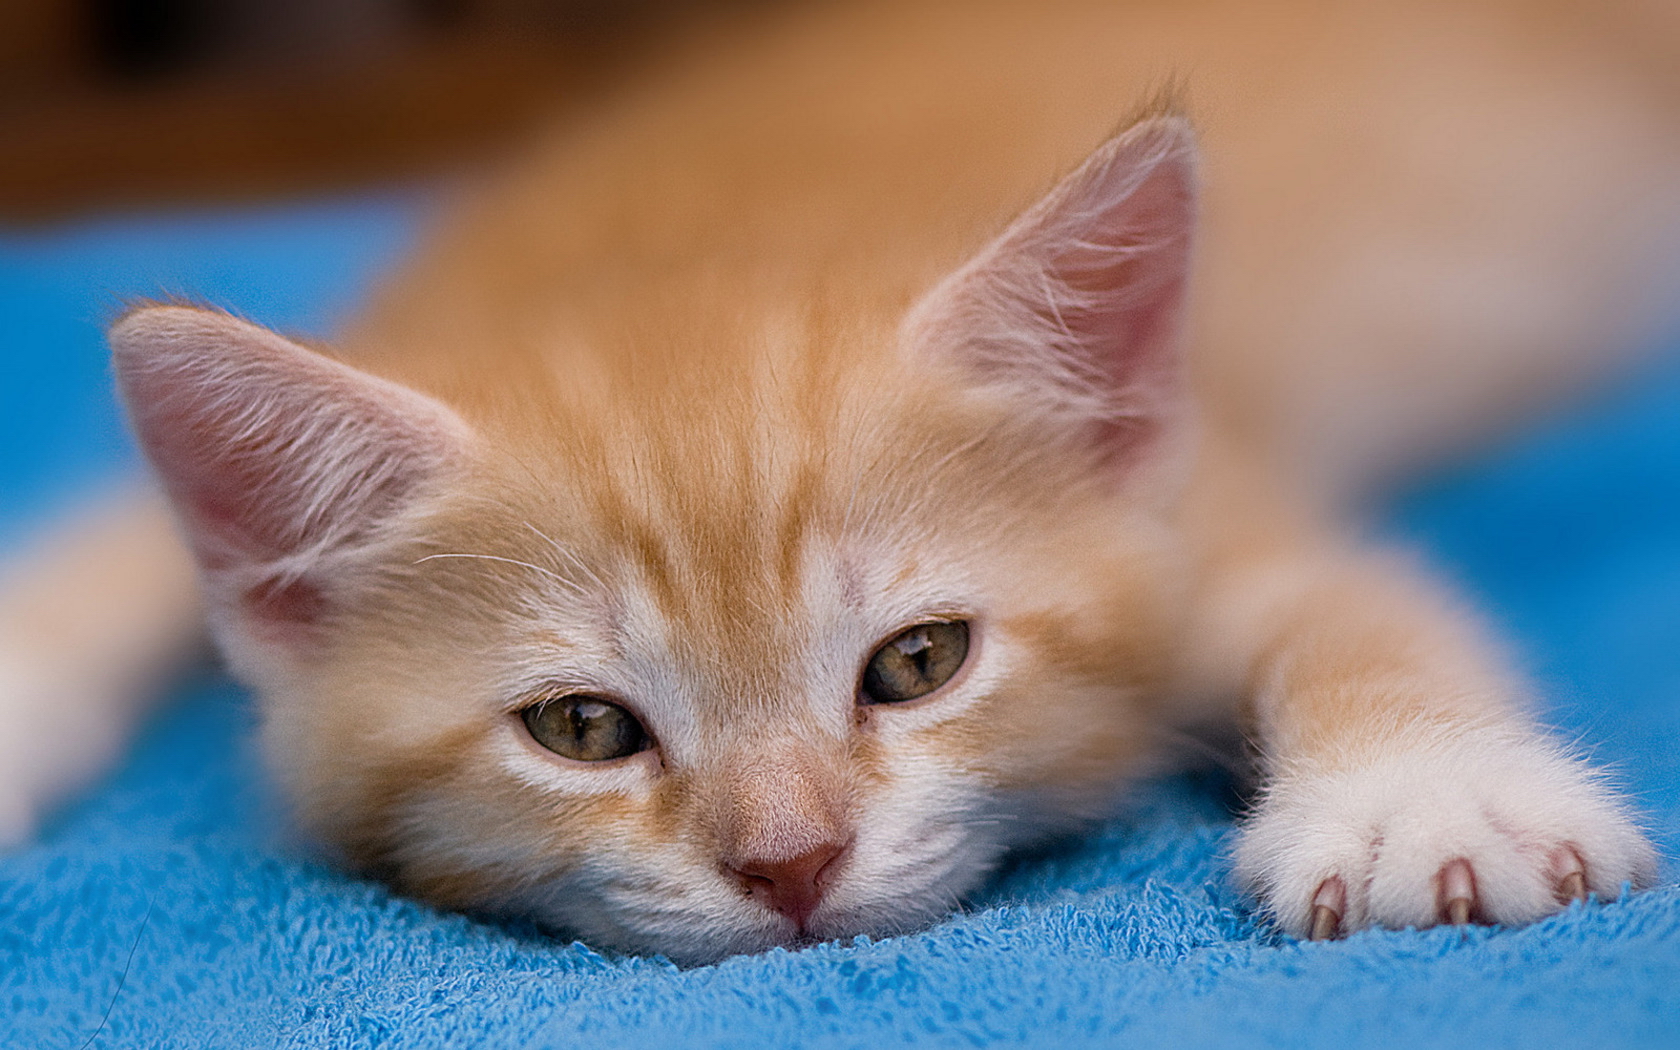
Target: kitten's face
x=715, y=641
x=729, y=594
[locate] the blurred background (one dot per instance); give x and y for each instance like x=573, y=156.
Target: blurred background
x=271, y=156
x=115, y=103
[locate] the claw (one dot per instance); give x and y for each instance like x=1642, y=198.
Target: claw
x=1571, y=874
x=1458, y=911
x=1573, y=887
x=1325, y=923
x=1327, y=907
x=1456, y=895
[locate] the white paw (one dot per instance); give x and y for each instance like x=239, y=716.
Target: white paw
x=20, y=794
x=54, y=736
x=1484, y=826
x=17, y=815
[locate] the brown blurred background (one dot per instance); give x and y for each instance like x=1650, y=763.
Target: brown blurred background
x=112, y=103
x=108, y=103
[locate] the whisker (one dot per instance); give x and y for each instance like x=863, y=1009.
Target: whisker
x=571, y=559
x=550, y=573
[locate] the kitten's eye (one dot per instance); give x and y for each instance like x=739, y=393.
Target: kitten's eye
x=915, y=662
x=585, y=728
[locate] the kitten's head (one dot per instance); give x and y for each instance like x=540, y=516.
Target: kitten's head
x=790, y=640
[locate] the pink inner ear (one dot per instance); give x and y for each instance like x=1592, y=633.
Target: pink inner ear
x=278, y=600
x=1127, y=277
x=275, y=457
x=1126, y=267
x=1077, y=306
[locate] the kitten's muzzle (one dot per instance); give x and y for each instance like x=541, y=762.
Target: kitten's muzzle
x=783, y=827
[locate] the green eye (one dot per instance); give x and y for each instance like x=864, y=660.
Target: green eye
x=915, y=662
x=585, y=728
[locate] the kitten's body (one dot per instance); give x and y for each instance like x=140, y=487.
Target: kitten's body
x=701, y=426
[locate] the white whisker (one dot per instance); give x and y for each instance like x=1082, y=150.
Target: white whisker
x=570, y=559
x=550, y=573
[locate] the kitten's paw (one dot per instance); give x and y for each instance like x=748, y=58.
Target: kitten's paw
x=1484, y=827
x=55, y=734
x=19, y=794
x=17, y=816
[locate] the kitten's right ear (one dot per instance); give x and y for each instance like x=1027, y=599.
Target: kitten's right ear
x=1073, y=312
x=277, y=458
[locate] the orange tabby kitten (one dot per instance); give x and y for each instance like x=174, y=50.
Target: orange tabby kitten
x=781, y=496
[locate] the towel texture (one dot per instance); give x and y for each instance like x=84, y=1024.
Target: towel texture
x=169, y=909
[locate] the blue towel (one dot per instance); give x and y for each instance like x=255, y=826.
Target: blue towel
x=169, y=909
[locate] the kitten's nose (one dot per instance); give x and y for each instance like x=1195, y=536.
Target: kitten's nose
x=793, y=886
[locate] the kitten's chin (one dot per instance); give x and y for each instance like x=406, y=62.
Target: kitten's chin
x=847, y=913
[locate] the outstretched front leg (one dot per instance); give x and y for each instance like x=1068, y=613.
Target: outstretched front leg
x=1404, y=783
x=94, y=619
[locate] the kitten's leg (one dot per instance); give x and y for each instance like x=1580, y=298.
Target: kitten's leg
x=1405, y=785
x=93, y=618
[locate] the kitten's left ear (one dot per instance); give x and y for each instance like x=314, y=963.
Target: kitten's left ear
x=1074, y=312
x=282, y=463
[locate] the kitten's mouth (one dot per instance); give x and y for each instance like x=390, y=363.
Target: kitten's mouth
x=814, y=931
x=821, y=925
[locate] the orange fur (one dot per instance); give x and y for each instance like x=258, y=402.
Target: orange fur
x=678, y=444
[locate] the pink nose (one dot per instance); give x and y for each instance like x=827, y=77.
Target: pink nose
x=793, y=886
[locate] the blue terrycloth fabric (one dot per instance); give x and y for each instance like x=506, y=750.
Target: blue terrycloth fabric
x=174, y=873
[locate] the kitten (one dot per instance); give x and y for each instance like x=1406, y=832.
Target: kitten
x=736, y=529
